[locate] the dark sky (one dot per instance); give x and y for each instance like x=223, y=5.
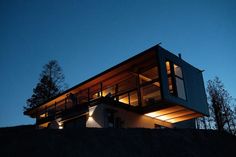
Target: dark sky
x=87, y=37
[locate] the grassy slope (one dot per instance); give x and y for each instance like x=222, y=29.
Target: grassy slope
x=26, y=141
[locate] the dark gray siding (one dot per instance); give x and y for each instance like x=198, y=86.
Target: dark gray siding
x=193, y=80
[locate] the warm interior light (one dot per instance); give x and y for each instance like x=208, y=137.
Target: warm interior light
x=108, y=90
x=104, y=92
x=42, y=115
x=174, y=114
x=151, y=114
x=168, y=67
x=124, y=100
x=148, y=79
x=44, y=125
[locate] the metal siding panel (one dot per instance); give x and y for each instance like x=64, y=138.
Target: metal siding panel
x=193, y=80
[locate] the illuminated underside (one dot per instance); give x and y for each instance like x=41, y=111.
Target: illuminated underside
x=174, y=114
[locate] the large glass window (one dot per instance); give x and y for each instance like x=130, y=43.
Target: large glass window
x=109, y=90
x=150, y=94
x=148, y=75
x=127, y=85
x=124, y=98
x=133, y=98
x=130, y=98
x=175, y=80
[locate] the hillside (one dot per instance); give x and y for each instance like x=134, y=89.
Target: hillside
x=26, y=141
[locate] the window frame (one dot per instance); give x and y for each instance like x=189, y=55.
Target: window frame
x=173, y=77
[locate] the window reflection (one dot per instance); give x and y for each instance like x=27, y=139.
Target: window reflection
x=179, y=82
x=178, y=71
x=180, y=88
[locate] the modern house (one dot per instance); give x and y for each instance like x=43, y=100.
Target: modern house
x=153, y=89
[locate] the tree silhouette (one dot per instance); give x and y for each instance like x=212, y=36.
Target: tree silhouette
x=221, y=108
x=51, y=84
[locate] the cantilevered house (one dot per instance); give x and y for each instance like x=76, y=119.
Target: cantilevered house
x=150, y=90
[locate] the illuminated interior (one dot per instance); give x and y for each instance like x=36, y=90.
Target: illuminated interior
x=43, y=115
x=173, y=114
x=135, y=83
x=44, y=125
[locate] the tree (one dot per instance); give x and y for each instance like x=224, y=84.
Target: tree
x=51, y=84
x=220, y=106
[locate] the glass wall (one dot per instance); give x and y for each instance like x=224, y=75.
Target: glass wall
x=148, y=75
x=135, y=83
x=133, y=98
x=127, y=84
x=127, y=91
x=150, y=94
x=142, y=85
x=109, y=90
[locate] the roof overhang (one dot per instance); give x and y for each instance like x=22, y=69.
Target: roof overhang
x=145, y=57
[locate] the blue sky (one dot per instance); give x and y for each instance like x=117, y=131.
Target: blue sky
x=87, y=37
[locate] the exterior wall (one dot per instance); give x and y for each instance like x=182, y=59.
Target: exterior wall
x=96, y=117
x=129, y=119
x=193, y=81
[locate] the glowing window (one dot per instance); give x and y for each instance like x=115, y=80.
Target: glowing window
x=133, y=97
x=150, y=94
x=175, y=80
x=168, y=67
x=124, y=98
x=149, y=75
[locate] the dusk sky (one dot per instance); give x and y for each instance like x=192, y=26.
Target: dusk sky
x=90, y=36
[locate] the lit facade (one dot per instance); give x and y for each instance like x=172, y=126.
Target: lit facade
x=152, y=89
